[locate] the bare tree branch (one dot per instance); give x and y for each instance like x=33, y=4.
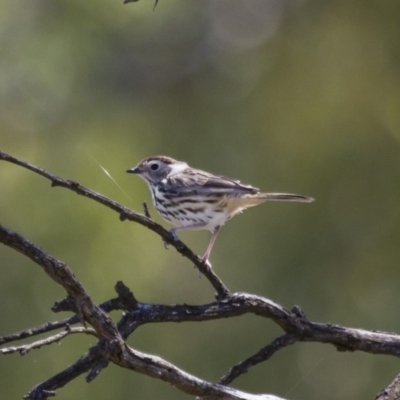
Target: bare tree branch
x=392, y=392
x=42, y=390
x=111, y=346
x=124, y=301
x=263, y=355
x=126, y=214
x=26, y=348
x=47, y=327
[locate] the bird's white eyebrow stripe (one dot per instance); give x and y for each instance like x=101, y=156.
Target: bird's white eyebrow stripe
x=177, y=168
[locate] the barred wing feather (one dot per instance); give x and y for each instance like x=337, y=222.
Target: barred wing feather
x=198, y=182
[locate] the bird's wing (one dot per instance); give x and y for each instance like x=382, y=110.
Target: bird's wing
x=196, y=182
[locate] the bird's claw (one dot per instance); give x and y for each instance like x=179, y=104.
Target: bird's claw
x=165, y=244
x=207, y=265
x=174, y=235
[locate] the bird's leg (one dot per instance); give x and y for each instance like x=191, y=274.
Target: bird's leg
x=181, y=228
x=206, y=255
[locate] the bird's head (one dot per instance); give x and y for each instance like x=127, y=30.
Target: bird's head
x=155, y=169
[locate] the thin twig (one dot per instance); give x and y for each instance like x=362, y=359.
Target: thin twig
x=39, y=392
x=146, y=210
x=26, y=348
x=264, y=354
x=124, y=301
x=47, y=327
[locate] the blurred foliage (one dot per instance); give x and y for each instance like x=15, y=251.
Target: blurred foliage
x=296, y=96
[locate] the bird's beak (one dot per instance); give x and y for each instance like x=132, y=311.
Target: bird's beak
x=134, y=170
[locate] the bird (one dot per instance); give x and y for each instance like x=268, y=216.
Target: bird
x=192, y=199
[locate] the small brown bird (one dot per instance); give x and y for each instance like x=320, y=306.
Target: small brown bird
x=190, y=198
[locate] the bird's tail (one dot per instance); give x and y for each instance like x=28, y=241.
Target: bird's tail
x=254, y=199
x=284, y=197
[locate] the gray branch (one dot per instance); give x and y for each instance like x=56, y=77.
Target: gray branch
x=111, y=346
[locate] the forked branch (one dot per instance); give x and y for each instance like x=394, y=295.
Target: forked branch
x=111, y=346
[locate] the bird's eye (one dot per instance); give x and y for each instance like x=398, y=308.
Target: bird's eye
x=154, y=166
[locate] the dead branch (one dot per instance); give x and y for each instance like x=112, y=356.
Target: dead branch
x=126, y=214
x=26, y=348
x=111, y=346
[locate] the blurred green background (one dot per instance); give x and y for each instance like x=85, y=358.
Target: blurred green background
x=295, y=96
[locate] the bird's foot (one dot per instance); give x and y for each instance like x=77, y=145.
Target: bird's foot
x=175, y=236
x=207, y=265
x=165, y=243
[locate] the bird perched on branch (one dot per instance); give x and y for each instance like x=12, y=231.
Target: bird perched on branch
x=193, y=199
